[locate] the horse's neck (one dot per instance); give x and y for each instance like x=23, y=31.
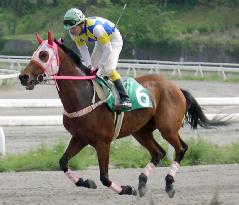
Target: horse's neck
x=74, y=94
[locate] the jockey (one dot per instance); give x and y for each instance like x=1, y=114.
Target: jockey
x=108, y=45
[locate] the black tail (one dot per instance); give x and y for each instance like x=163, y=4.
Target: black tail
x=195, y=116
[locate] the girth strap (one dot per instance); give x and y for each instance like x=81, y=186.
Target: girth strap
x=84, y=111
x=87, y=109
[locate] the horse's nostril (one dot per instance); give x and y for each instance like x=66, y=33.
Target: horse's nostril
x=23, y=79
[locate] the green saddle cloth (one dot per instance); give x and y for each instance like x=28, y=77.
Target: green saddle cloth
x=139, y=96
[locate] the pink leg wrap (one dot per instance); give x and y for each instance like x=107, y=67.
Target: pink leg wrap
x=115, y=187
x=173, y=169
x=149, y=168
x=74, y=177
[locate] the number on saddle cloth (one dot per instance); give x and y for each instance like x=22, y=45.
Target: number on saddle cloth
x=139, y=96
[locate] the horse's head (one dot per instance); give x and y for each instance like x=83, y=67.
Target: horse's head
x=44, y=62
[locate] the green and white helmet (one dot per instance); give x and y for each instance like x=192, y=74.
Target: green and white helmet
x=72, y=18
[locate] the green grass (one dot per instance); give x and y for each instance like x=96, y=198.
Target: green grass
x=187, y=75
x=7, y=83
x=124, y=153
x=201, y=153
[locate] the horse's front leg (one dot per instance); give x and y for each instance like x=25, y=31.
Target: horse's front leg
x=102, y=149
x=72, y=149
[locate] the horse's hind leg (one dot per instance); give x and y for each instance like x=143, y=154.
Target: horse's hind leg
x=145, y=138
x=102, y=149
x=72, y=149
x=180, y=148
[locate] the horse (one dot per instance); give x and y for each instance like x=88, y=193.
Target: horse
x=94, y=125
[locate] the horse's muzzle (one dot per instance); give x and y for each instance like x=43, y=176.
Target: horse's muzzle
x=25, y=81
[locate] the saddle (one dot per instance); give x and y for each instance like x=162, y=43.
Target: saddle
x=139, y=96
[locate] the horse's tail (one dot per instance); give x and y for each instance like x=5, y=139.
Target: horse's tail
x=195, y=116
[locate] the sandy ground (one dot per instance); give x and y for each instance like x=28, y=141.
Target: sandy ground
x=198, y=185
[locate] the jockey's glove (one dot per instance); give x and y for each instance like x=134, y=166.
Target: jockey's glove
x=91, y=70
x=60, y=41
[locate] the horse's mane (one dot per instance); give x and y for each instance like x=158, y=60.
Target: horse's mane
x=76, y=58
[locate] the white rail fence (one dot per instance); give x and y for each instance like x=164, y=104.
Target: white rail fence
x=56, y=103
x=150, y=66
x=57, y=120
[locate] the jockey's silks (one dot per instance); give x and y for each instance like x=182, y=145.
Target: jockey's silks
x=90, y=31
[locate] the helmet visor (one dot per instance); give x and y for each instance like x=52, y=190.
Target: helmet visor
x=69, y=22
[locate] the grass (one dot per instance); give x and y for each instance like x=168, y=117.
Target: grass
x=124, y=154
x=7, y=82
x=206, y=77
x=202, y=153
x=187, y=75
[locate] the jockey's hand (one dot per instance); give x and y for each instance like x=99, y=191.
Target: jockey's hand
x=91, y=70
x=60, y=41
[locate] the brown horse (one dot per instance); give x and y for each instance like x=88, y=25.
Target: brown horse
x=96, y=128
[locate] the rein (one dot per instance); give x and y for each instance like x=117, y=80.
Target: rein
x=56, y=77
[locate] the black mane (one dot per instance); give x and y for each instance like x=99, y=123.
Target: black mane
x=76, y=58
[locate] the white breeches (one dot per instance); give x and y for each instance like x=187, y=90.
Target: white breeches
x=116, y=43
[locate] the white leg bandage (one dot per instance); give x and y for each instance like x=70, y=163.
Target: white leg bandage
x=74, y=177
x=115, y=187
x=173, y=169
x=149, y=169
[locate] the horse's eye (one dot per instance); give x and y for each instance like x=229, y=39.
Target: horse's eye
x=43, y=55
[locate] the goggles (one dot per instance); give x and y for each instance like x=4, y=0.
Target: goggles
x=70, y=22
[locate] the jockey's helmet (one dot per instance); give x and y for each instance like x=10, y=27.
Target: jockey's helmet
x=72, y=18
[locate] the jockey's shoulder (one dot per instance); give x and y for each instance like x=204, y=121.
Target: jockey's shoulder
x=95, y=19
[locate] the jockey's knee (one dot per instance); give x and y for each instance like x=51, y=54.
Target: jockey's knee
x=114, y=75
x=63, y=163
x=105, y=181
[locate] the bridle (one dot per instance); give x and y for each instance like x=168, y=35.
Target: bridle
x=50, y=68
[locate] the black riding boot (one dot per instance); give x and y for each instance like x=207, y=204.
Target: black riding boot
x=124, y=98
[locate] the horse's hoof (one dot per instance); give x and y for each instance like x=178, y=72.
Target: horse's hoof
x=87, y=183
x=90, y=184
x=142, y=191
x=134, y=191
x=169, y=186
x=128, y=190
x=170, y=191
x=142, y=184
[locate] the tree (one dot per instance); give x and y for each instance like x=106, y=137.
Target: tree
x=17, y=9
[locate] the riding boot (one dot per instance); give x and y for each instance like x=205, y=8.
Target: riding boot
x=124, y=98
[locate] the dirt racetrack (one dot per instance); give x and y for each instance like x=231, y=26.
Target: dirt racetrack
x=198, y=185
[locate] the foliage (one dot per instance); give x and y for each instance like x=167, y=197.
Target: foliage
x=124, y=153
x=200, y=2
x=201, y=152
x=165, y=29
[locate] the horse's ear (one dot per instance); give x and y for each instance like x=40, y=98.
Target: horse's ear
x=39, y=38
x=50, y=41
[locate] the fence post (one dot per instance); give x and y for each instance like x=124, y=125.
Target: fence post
x=2, y=142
